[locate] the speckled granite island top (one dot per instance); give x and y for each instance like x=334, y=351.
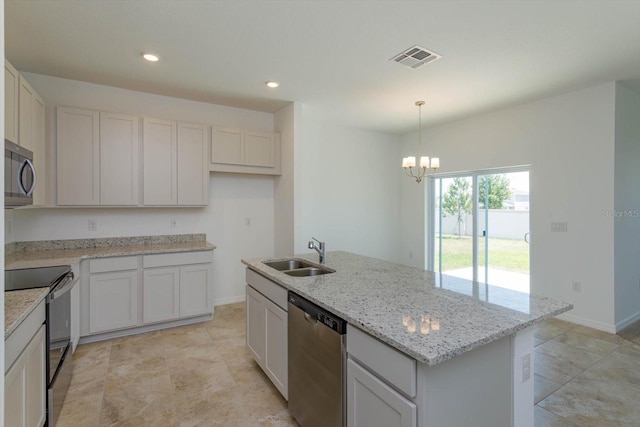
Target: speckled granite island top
x=430, y=317
x=18, y=305
x=68, y=252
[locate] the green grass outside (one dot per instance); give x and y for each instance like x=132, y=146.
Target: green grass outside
x=505, y=254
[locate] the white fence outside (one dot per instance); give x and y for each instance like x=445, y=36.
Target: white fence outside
x=503, y=224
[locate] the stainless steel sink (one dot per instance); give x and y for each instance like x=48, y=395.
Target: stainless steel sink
x=289, y=264
x=298, y=267
x=310, y=271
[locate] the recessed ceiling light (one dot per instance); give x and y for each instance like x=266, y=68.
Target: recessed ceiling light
x=150, y=57
x=272, y=84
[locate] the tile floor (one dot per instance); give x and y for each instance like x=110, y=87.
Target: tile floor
x=202, y=375
x=585, y=378
x=196, y=375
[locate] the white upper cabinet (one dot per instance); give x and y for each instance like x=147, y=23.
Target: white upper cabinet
x=78, y=157
x=11, y=89
x=259, y=149
x=227, y=146
x=193, y=164
x=26, y=115
x=244, y=151
x=119, y=148
x=160, y=163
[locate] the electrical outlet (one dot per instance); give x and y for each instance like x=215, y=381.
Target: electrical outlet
x=526, y=367
x=172, y=223
x=559, y=227
x=576, y=286
x=93, y=225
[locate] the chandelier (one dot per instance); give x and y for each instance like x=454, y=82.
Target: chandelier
x=409, y=163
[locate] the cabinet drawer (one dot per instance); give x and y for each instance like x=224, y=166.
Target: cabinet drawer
x=395, y=367
x=371, y=402
x=269, y=289
x=102, y=265
x=182, y=258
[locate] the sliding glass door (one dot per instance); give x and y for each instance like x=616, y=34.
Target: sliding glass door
x=480, y=227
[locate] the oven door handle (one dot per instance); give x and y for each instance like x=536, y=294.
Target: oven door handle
x=63, y=287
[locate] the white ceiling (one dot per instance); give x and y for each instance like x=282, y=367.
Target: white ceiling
x=333, y=56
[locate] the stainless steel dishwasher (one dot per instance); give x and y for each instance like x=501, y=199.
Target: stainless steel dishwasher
x=316, y=365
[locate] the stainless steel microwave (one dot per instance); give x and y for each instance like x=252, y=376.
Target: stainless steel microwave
x=19, y=175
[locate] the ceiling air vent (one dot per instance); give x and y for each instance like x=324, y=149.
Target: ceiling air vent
x=415, y=57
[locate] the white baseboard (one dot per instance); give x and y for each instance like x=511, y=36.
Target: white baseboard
x=228, y=300
x=606, y=327
x=142, y=329
x=626, y=322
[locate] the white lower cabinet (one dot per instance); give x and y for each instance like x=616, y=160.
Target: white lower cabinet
x=276, y=346
x=256, y=331
x=177, y=286
x=25, y=385
x=371, y=402
x=135, y=291
x=113, y=301
x=381, y=383
x=196, y=290
x=161, y=294
x=267, y=329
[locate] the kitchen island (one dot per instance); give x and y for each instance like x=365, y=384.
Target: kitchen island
x=471, y=343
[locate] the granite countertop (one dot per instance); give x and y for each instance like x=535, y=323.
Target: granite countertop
x=18, y=305
x=69, y=252
x=430, y=317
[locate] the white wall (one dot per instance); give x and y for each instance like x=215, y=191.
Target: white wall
x=286, y=123
x=626, y=216
x=569, y=142
x=233, y=198
x=347, y=189
x=413, y=201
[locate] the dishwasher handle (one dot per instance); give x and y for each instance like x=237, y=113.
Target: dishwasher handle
x=316, y=314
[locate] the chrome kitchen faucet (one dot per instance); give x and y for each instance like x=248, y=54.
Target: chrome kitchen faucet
x=318, y=248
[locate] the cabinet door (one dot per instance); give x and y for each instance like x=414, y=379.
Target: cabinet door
x=256, y=331
x=196, y=290
x=25, y=114
x=119, y=149
x=14, y=393
x=259, y=149
x=11, y=91
x=78, y=157
x=159, y=152
x=113, y=301
x=35, y=380
x=276, y=365
x=25, y=386
x=193, y=164
x=370, y=402
x=227, y=146
x=39, y=150
x=160, y=294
